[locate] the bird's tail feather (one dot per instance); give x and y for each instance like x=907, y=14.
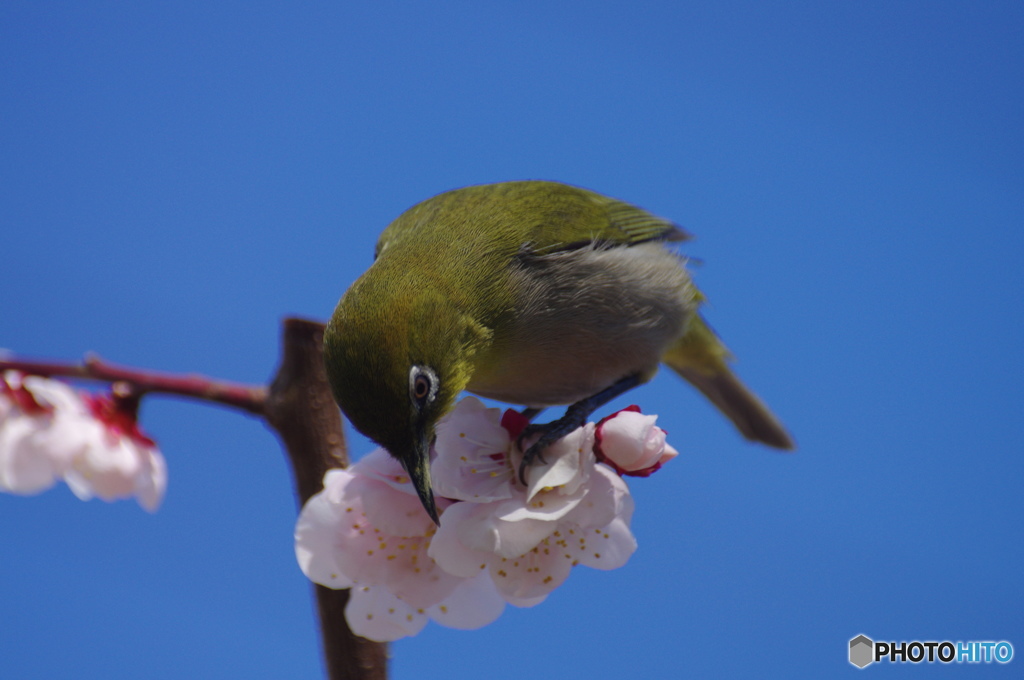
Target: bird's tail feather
x=700, y=358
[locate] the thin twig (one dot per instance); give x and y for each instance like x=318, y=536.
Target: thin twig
x=249, y=398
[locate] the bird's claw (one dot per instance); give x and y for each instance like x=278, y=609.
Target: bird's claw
x=534, y=452
x=575, y=416
x=549, y=434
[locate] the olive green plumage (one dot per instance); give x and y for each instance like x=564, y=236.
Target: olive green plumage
x=532, y=292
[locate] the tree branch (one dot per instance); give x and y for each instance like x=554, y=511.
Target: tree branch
x=249, y=398
x=301, y=409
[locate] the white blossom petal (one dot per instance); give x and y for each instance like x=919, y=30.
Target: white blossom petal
x=607, y=498
x=106, y=466
x=667, y=454
x=472, y=461
x=382, y=466
x=606, y=548
x=489, y=531
x=60, y=396
x=535, y=573
x=547, y=505
x=449, y=551
x=152, y=484
x=566, y=464
x=36, y=446
x=375, y=614
x=473, y=604
x=26, y=466
x=524, y=602
x=316, y=535
x=111, y=465
x=338, y=544
x=391, y=510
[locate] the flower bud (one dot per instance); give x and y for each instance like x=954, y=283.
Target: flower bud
x=631, y=443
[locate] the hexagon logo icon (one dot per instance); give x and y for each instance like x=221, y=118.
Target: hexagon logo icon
x=862, y=651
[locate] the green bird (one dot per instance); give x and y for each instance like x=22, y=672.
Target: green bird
x=535, y=293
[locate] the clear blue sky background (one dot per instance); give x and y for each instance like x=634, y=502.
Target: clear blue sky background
x=177, y=177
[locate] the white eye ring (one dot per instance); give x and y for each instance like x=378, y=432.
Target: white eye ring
x=423, y=385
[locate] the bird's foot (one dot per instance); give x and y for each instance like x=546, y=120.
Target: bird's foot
x=575, y=416
x=549, y=434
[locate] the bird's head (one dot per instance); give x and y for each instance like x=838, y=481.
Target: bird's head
x=397, y=355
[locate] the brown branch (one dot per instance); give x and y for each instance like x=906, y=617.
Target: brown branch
x=302, y=411
x=248, y=398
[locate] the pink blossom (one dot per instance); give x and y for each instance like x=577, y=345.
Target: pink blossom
x=529, y=552
x=48, y=431
x=367, y=531
x=34, y=427
x=498, y=542
x=375, y=613
x=521, y=535
x=474, y=465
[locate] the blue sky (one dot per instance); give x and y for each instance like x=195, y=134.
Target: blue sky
x=176, y=178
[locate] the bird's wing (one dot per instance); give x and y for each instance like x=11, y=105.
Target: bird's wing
x=567, y=217
x=542, y=217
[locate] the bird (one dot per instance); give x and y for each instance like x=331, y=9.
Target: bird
x=529, y=292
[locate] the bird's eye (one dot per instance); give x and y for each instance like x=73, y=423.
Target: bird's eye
x=421, y=387
x=422, y=384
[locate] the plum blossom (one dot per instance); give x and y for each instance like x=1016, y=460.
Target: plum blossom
x=49, y=432
x=32, y=458
x=367, y=531
x=498, y=541
x=530, y=541
x=477, y=468
x=631, y=443
x=529, y=554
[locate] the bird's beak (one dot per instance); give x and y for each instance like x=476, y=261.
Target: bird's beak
x=417, y=464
